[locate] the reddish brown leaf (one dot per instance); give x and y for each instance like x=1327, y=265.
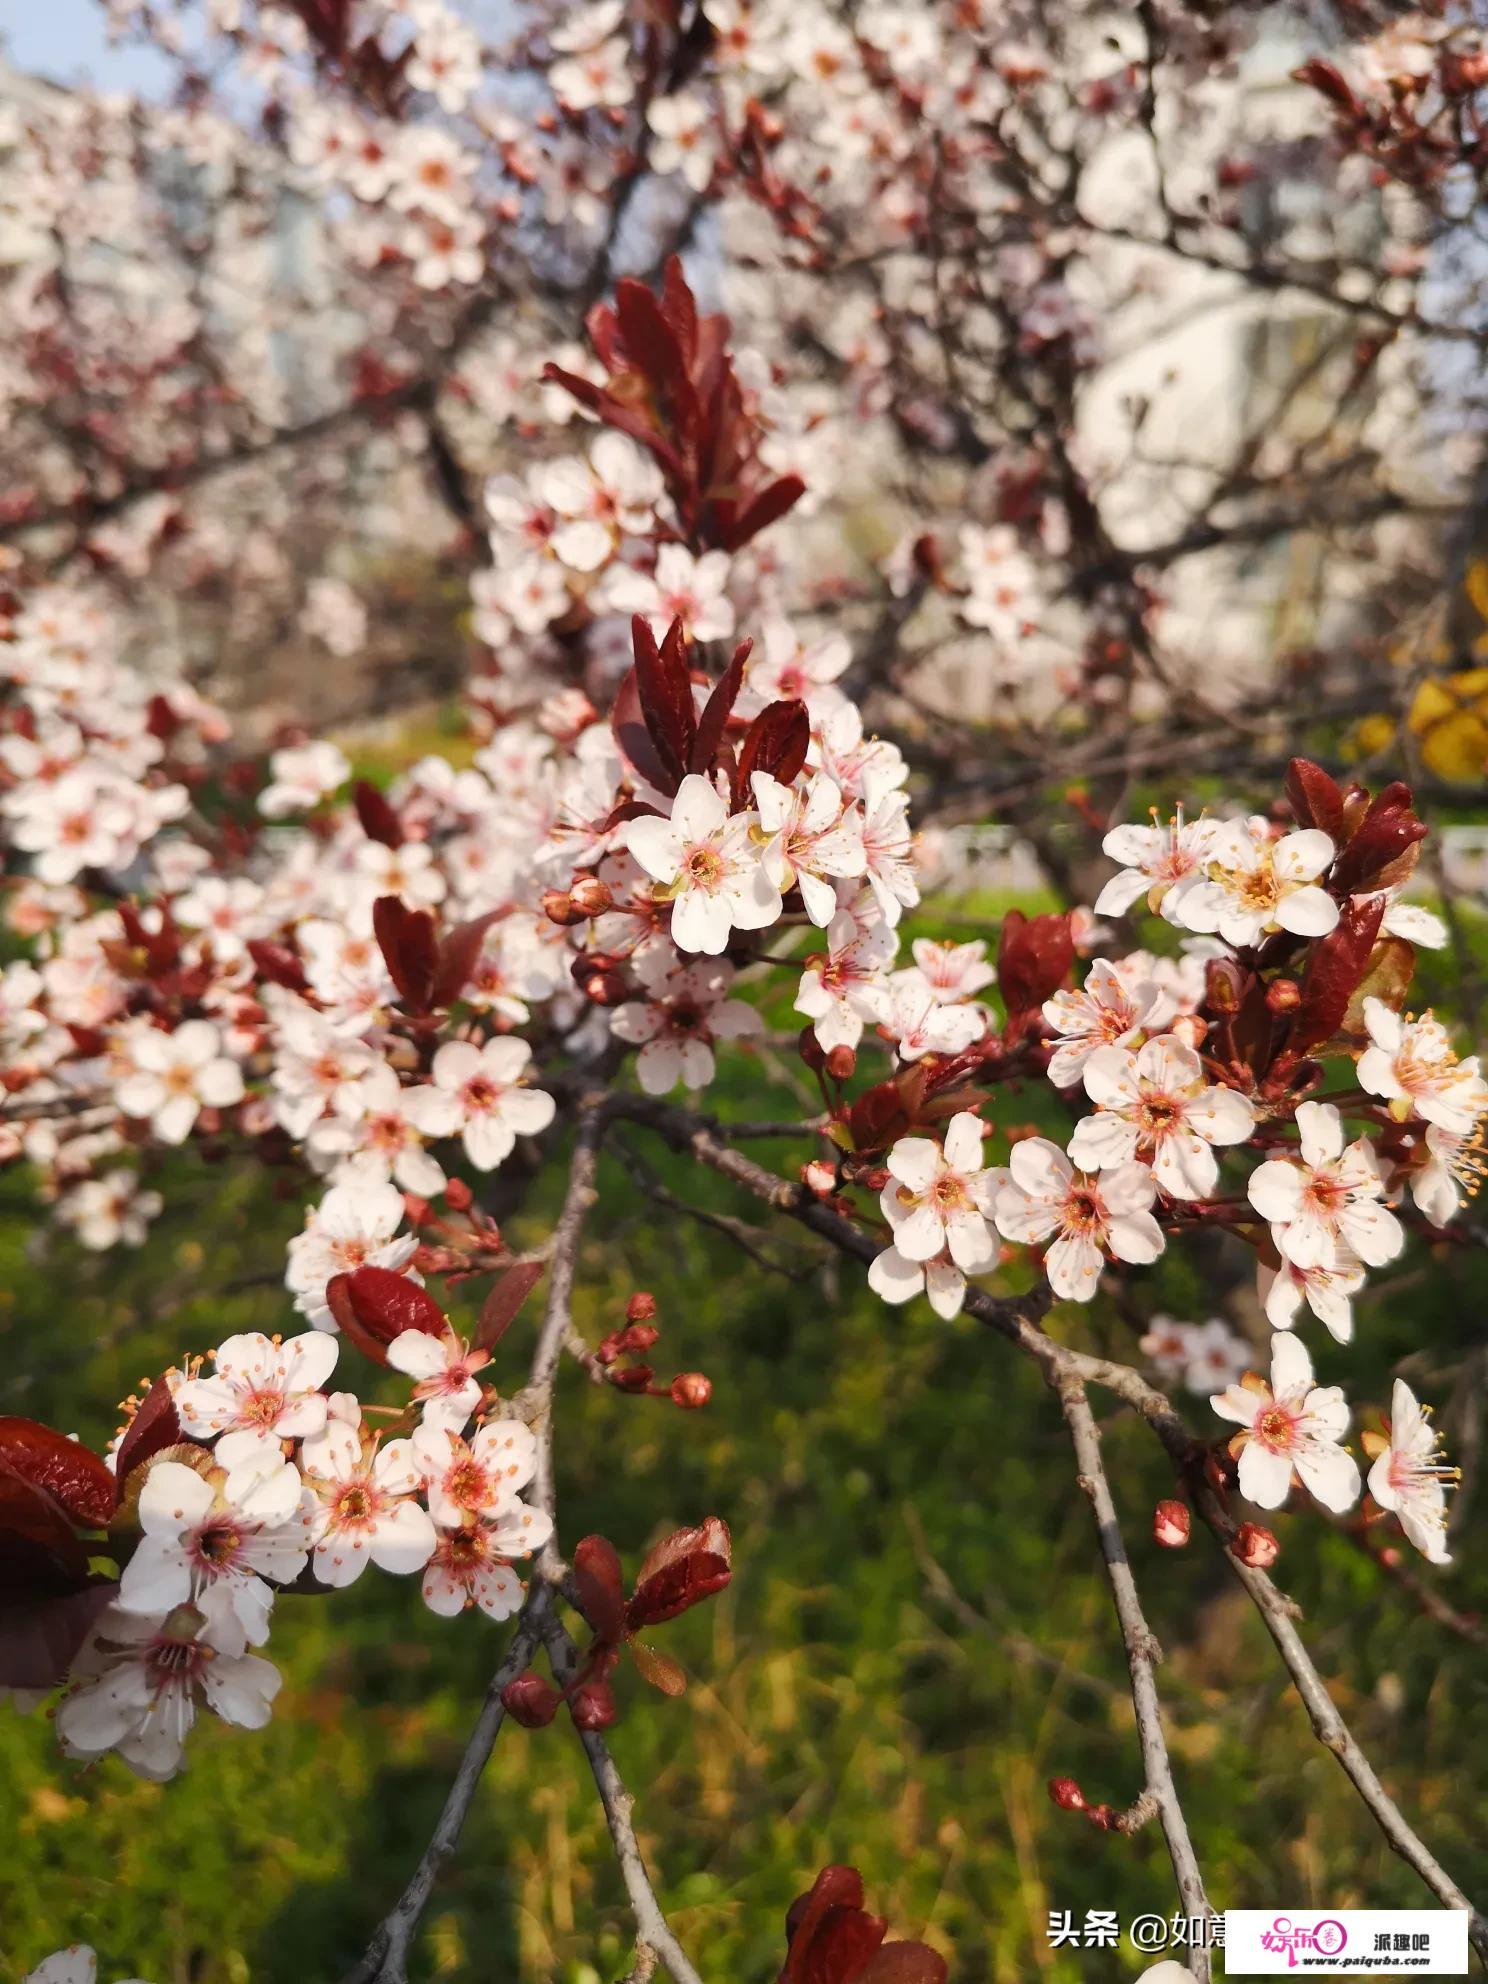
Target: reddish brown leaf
x=379, y=821
x=904, y=1963
x=835, y=1890
x=776, y=742
x=717, y=710
x=601, y=1586
x=41, y=1634
x=664, y=683
x=674, y=1588
x=1034, y=955
x=657, y=1669
x=386, y=1304
x=1334, y=970
x=459, y=950
x=406, y=939
x=767, y=508
x=1388, y=975
x=72, y=1474
x=1317, y=799
x=277, y=964
x=499, y=1311
x=628, y=724
x=155, y=1425
x=712, y=1534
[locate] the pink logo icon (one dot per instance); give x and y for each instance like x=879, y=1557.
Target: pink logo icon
x=1326, y=1937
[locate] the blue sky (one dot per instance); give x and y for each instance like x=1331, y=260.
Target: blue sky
x=65, y=40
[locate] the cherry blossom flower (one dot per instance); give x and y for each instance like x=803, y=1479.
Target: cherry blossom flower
x=1408, y=1476
x=684, y=139
x=708, y=867
x=1327, y=1287
x=842, y=990
x=1166, y=1343
x=888, y=848
x=1292, y=1426
x=784, y=668
x=895, y=1280
x=489, y=1085
x=136, y=1685
x=1214, y=1355
x=445, y=1367
x=1452, y=1170
x=686, y=1009
x=1111, y=1010
x=177, y=1075
x=1413, y=1063
x=212, y=1544
x=599, y=501
x=952, y=972
x=682, y=588
x=1155, y=1104
x=813, y=841
x=1043, y=1195
x=481, y=1479
x=919, y=1024
x=939, y=1198
x=1153, y=860
x=363, y=1509
x=1327, y=1198
x=77, y=1964
x=382, y=1128
x=355, y=1225
x=1253, y=885
x=262, y=1391
x=468, y=1568
x=301, y=776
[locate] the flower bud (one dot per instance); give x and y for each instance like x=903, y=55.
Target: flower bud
x=633, y=1378
x=641, y=1307
x=1066, y=1794
x=1255, y=1547
x=810, y=1050
x=590, y=896
x=842, y=1064
x=1283, y=995
x=819, y=1178
x=593, y=1705
x=690, y=1390
x=639, y=1336
x=558, y=907
x=458, y=1195
x=530, y=1700
x=1171, y=1525
x=605, y=988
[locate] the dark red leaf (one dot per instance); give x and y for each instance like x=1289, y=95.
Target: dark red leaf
x=629, y=727
x=904, y=1963
x=1382, y=850
x=1335, y=968
x=154, y=1426
x=680, y=307
x=406, y=939
x=717, y=710
x=1034, y=955
x=679, y=1573
x=776, y=742
x=277, y=964
x=499, y=1310
x=835, y=1890
x=767, y=508
x=712, y=1534
x=1317, y=799
x=459, y=950
x=72, y=1474
x=650, y=342
x=664, y=683
x=386, y=1304
x=379, y=821
x=1322, y=76
x=601, y=1586
x=41, y=1634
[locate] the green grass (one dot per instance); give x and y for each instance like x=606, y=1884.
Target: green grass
x=839, y=1709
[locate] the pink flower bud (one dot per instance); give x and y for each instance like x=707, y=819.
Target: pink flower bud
x=641, y=1307
x=558, y=907
x=1066, y=1794
x=590, y=896
x=819, y=1178
x=1255, y=1547
x=842, y=1064
x=1171, y=1525
x=690, y=1389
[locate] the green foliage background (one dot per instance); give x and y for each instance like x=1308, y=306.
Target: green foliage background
x=842, y=1707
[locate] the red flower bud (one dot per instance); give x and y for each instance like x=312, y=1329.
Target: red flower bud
x=590, y=896
x=1066, y=1794
x=1283, y=995
x=811, y=1050
x=1171, y=1525
x=640, y=1336
x=690, y=1390
x=593, y=1705
x=842, y=1064
x=458, y=1195
x=1255, y=1547
x=634, y=1378
x=604, y=988
x=559, y=907
x=641, y=1307
x=530, y=1700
